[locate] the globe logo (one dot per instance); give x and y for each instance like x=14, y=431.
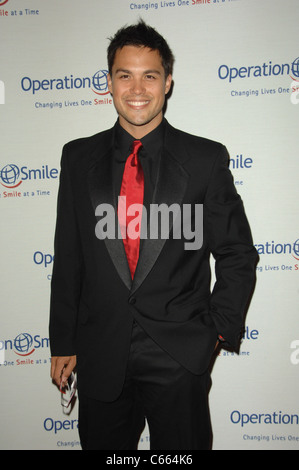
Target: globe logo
x=100, y=82
x=23, y=344
x=295, y=68
x=296, y=249
x=3, y=3
x=9, y=176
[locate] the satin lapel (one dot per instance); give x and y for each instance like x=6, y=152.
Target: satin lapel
x=170, y=189
x=101, y=191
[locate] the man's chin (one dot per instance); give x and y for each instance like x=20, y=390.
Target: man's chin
x=141, y=121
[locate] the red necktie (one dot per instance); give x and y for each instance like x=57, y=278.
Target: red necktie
x=131, y=192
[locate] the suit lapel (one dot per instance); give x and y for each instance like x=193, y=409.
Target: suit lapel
x=101, y=190
x=171, y=186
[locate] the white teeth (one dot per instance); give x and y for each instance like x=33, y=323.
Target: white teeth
x=137, y=103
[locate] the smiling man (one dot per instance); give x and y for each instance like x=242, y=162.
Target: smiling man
x=137, y=316
x=138, y=84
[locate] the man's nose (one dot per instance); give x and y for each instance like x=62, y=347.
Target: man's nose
x=137, y=87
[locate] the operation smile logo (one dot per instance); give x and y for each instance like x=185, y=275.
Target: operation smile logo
x=265, y=70
x=276, y=249
x=296, y=250
x=272, y=248
x=12, y=176
x=23, y=345
x=98, y=84
x=9, y=176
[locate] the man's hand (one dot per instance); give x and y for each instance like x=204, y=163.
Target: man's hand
x=61, y=369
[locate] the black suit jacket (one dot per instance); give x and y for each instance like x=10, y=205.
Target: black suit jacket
x=93, y=299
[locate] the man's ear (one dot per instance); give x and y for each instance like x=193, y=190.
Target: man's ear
x=168, y=84
x=109, y=80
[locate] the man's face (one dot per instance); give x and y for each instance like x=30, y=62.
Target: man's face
x=138, y=86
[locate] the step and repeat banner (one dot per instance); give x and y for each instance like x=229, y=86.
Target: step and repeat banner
x=236, y=81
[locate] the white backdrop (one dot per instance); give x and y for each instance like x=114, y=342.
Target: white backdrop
x=236, y=81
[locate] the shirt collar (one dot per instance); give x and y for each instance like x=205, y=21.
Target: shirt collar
x=152, y=142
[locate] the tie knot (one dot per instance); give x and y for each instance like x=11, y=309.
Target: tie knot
x=136, y=146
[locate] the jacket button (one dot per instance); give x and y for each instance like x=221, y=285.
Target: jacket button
x=132, y=301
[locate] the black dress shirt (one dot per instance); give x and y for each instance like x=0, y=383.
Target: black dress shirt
x=149, y=155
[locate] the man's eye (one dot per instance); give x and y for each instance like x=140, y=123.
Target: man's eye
x=150, y=77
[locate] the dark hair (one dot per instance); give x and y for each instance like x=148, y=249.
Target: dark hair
x=141, y=35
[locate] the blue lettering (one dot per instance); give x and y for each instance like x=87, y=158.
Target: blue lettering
x=40, y=342
x=41, y=258
x=66, y=83
x=226, y=72
x=263, y=418
x=265, y=70
x=270, y=248
x=56, y=426
x=23, y=86
x=5, y=345
x=38, y=173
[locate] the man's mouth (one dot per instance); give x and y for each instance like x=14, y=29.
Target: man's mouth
x=138, y=104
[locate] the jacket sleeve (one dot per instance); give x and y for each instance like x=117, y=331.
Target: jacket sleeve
x=231, y=244
x=65, y=284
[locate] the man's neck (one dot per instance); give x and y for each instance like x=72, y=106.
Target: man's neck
x=138, y=132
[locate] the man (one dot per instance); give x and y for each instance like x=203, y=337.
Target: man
x=139, y=322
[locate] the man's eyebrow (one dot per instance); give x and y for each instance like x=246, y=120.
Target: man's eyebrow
x=157, y=72
x=153, y=71
x=122, y=71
